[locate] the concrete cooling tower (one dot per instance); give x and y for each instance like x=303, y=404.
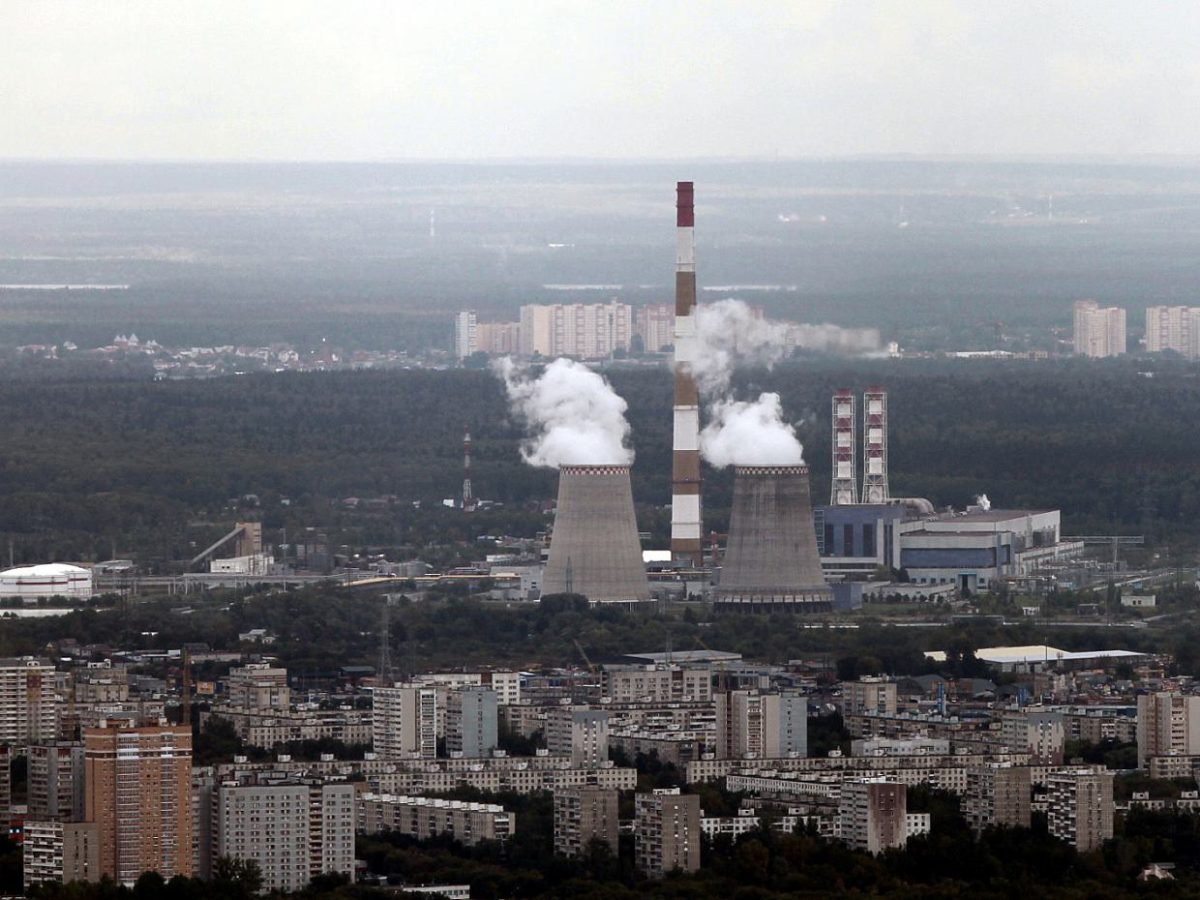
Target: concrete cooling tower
x=771, y=559
x=594, y=550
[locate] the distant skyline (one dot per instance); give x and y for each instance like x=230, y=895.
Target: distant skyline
x=300, y=80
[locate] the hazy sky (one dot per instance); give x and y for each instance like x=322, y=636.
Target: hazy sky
x=340, y=79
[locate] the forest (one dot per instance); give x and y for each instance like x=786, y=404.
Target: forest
x=91, y=468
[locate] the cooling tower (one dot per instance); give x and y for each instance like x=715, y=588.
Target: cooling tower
x=594, y=549
x=771, y=560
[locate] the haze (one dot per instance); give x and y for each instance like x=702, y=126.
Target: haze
x=375, y=80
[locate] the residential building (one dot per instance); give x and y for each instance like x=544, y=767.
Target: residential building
x=582, y=815
x=585, y=331
x=998, y=794
x=1080, y=806
x=28, y=707
x=471, y=721
x=1099, y=332
x=869, y=695
x=465, y=337
x=404, y=723
x=426, y=817
x=295, y=830
x=656, y=684
x=752, y=724
x=578, y=732
x=1167, y=723
x=55, y=781
x=55, y=852
x=1040, y=733
x=138, y=792
x=1174, y=328
x=498, y=338
x=667, y=832
x=655, y=325
x=872, y=813
x=258, y=687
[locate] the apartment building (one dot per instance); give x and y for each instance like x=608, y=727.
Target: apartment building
x=138, y=792
x=28, y=707
x=872, y=814
x=1174, y=328
x=471, y=721
x=258, y=687
x=1099, y=331
x=578, y=732
x=55, y=852
x=295, y=830
x=404, y=722
x=1040, y=733
x=582, y=815
x=1167, y=723
x=656, y=684
x=998, y=794
x=655, y=325
x=466, y=339
x=667, y=832
x=1080, y=806
x=869, y=695
x=426, y=817
x=584, y=331
x=751, y=724
x=55, y=781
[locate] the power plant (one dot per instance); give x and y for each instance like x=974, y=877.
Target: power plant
x=594, y=549
x=875, y=468
x=685, y=464
x=771, y=560
x=843, y=490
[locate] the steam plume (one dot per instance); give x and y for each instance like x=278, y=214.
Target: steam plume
x=983, y=502
x=573, y=415
x=750, y=434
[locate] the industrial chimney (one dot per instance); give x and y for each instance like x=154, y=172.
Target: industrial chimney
x=844, y=491
x=771, y=560
x=875, y=467
x=685, y=469
x=594, y=550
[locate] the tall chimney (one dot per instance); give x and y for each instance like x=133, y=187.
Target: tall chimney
x=595, y=550
x=844, y=490
x=771, y=560
x=875, y=468
x=685, y=467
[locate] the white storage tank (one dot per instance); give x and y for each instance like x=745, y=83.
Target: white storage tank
x=48, y=580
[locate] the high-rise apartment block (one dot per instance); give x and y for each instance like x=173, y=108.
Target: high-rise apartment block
x=579, y=732
x=465, y=338
x=138, y=792
x=1080, y=805
x=667, y=832
x=582, y=330
x=258, y=687
x=1174, y=328
x=28, y=708
x=55, y=781
x=471, y=726
x=998, y=794
x=751, y=724
x=1167, y=724
x=55, y=852
x=1099, y=331
x=869, y=695
x=294, y=830
x=1040, y=733
x=655, y=325
x=873, y=814
x=655, y=684
x=498, y=338
x=404, y=722
x=583, y=815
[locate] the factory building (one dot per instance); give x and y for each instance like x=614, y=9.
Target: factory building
x=32, y=583
x=594, y=549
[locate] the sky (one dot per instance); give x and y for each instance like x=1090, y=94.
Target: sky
x=398, y=79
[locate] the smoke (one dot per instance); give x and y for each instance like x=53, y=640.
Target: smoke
x=573, y=415
x=983, y=502
x=750, y=433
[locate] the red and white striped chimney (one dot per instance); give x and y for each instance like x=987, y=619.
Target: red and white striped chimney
x=685, y=471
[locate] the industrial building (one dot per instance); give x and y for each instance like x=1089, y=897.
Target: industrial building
x=594, y=549
x=31, y=583
x=771, y=560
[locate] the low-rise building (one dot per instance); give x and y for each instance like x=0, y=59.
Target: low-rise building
x=425, y=817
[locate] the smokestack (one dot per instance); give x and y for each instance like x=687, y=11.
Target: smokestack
x=875, y=469
x=594, y=549
x=771, y=560
x=685, y=469
x=844, y=489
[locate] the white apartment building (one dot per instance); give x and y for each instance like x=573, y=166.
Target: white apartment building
x=655, y=684
x=28, y=708
x=751, y=724
x=1168, y=723
x=1098, y=331
x=1040, y=733
x=293, y=830
x=1173, y=328
x=584, y=331
x=655, y=325
x=404, y=722
x=471, y=721
x=465, y=334
x=578, y=732
x=869, y=695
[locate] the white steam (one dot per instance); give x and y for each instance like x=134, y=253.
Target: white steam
x=573, y=415
x=750, y=434
x=983, y=502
